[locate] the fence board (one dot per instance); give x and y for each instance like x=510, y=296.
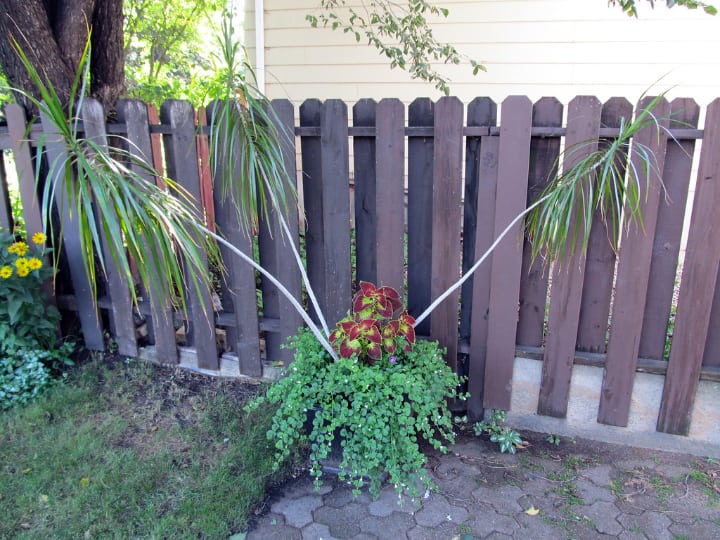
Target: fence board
x=567, y=275
x=6, y=219
x=513, y=167
x=480, y=189
x=161, y=329
x=711, y=354
x=181, y=162
x=420, y=177
x=328, y=239
x=365, y=187
x=390, y=198
x=239, y=298
x=203, y=151
x=480, y=112
x=276, y=253
x=699, y=276
x=446, y=219
x=16, y=122
x=121, y=310
x=631, y=284
x=600, y=258
x=544, y=151
x=83, y=289
x=671, y=213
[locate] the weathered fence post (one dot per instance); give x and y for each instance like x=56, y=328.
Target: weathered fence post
x=513, y=166
x=567, y=279
x=161, y=328
x=181, y=158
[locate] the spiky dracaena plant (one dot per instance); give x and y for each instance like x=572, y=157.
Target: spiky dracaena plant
x=110, y=202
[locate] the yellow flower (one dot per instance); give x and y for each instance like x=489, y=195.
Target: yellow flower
x=6, y=271
x=34, y=263
x=19, y=248
x=39, y=238
x=23, y=271
x=21, y=262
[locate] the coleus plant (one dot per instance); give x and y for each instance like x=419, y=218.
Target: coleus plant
x=372, y=329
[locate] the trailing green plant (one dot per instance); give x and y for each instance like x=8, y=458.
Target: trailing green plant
x=383, y=395
x=507, y=438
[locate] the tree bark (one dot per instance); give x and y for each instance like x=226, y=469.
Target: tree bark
x=53, y=35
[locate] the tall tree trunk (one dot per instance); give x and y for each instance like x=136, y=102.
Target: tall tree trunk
x=53, y=35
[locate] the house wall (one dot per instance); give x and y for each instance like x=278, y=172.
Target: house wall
x=538, y=48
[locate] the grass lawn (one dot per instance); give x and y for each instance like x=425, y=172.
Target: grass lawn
x=130, y=450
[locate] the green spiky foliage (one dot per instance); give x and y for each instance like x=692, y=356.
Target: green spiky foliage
x=108, y=195
x=596, y=181
x=245, y=143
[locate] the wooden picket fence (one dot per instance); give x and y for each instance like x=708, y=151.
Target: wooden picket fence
x=433, y=185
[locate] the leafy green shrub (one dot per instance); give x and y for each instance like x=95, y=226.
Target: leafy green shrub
x=507, y=439
x=383, y=395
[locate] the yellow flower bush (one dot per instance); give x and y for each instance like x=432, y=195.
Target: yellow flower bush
x=25, y=316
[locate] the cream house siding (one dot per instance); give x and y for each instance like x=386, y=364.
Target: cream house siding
x=536, y=47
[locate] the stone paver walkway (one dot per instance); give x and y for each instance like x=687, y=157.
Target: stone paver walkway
x=579, y=489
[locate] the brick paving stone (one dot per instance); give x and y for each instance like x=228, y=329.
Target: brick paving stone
x=693, y=504
x=317, y=531
x=343, y=522
x=437, y=510
x=388, y=501
x=635, y=464
x=538, y=528
x=393, y=526
x=631, y=535
x=654, y=525
x=444, y=531
x=504, y=499
x=488, y=520
x=598, y=475
x=458, y=488
x=298, y=512
x=604, y=515
x=628, y=507
x=342, y=495
x=498, y=536
x=704, y=529
x=590, y=492
x=272, y=527
x=304, y=486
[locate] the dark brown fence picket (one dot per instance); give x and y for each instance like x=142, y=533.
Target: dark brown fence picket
x=161, y=329
x=118, y=284
x=480, y=112
x=420, y=191
x=83, y=289
x=700, y=271
x=446, y=216
x=600, y=257
x=238, y=292
x=181, y=162
x=684, y=113
x=513, y=167
x=544, y=151
x=583, y=125
x=327, y=205
x=481, y=170
x=276, y=252
x=633, y=272
x=390, y=197
x=364, y=112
